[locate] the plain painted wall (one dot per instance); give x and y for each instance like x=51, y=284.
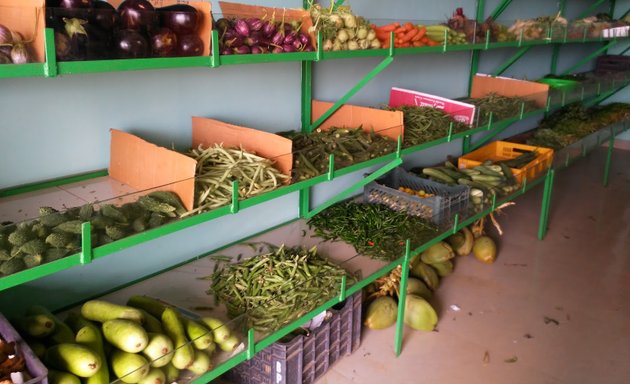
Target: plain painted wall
x=57, y=127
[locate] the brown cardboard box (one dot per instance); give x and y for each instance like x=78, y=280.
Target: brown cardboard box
x=485, y=84
x=28, y=18
x=382, y=122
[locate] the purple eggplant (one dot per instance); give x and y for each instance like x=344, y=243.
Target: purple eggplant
x=189, y=45
x=241, y=27
x=288, y=48
x=236, y=41
x=254, y=23
x=164, y=43
x=223, y=25
x=138, y=15
x=182, y=19
x=304, y=39
x=277, y=50
x=269, y=29
x=103, y=15
x=297, y=44
x=278, y=38
x=226, y=51
x=243, y=49
x=130, y=44
x=75, y=3
x=289, y=38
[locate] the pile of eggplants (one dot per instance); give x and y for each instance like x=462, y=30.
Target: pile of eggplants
x=254, y=36
x=95, y=30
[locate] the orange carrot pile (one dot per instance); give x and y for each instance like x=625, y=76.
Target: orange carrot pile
x=405, y=35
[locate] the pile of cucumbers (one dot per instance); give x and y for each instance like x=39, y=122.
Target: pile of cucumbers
x=145, y=341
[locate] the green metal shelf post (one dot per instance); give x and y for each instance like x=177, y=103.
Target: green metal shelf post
x=404, y=278
x=611, y=147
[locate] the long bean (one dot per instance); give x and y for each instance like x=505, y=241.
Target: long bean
x=425, y=124
x=501, y=107
x=274, y=288
x=217, y=167
x=348, y=145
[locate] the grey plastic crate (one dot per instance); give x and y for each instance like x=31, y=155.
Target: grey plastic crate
x=36, y=369
x=446, y=202
x=305, y=359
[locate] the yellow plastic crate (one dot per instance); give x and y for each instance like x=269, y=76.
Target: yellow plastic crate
x=503, y=150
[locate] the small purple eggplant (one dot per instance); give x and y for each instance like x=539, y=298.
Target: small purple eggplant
x=241, y=27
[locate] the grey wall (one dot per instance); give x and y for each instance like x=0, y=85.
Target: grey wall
x=56, y=127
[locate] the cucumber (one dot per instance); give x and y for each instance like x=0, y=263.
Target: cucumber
x=201, y=364
x=74, y=358
x=37, y=326
x=437, y=174
x=184, y=352
x=159, y=351
x=126, y=335
x=62, y=332
x=153, y=306
x=90, y=335
x=487, y=171
x=102, y=311
x=59, y=377
x=151, y=323
x=199, y=334
x=171, y=373
x=129, y=367
x=220, y=331
x=155, y=376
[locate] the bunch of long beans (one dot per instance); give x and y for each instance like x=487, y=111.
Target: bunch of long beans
x=277, y=287
x=501, y=107
x=425, y=124
x=217, y=167
x=374, y=230
x=311, y=151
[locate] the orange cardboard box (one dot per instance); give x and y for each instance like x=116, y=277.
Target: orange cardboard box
x=28, y=18
x=384, y=123
x=207, y=132
x=229, y=9
x=485, y=84
x=143, y=165
x=205, y=27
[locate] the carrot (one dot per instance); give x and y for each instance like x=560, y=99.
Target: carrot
x=422, y=31
x=425, y=40
x=409, y=26
x=386, y=44
x=389, y=27
x=400, y=30
x=409, y=35
x=405, y=45
x=433, y=43
x=417, y=43
x=382, y=36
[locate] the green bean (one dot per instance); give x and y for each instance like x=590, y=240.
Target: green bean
x=270, y=288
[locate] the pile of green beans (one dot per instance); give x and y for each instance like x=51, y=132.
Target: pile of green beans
x=501, y=107
x=425, y=124
x=373, y=229
x=275, y=288
x=311, y=151
x=217, y=167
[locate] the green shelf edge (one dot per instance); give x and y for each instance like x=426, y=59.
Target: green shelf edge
x=119, y=65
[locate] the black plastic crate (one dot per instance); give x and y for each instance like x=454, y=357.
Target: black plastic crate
x=305, y=359
x=445, y=202
x=612, y=63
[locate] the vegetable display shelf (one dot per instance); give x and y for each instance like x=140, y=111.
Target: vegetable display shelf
x=28, y=198
x=52, y=67
x=185, y=285
x=255, y=343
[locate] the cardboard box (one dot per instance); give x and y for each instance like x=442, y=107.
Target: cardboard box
x=382, y=122
x=208, y=132
x=230, y=10
x=143, y=165
x=462, y=112
x=28, y=18
x=505, y=86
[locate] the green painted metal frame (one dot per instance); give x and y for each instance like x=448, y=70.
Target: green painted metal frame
x=589, y=57
x=513, y=59
x=591, y=8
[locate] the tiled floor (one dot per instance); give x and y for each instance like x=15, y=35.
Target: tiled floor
x=578, y=278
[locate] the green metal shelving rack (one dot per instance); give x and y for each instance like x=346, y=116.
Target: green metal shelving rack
x=52, y=68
